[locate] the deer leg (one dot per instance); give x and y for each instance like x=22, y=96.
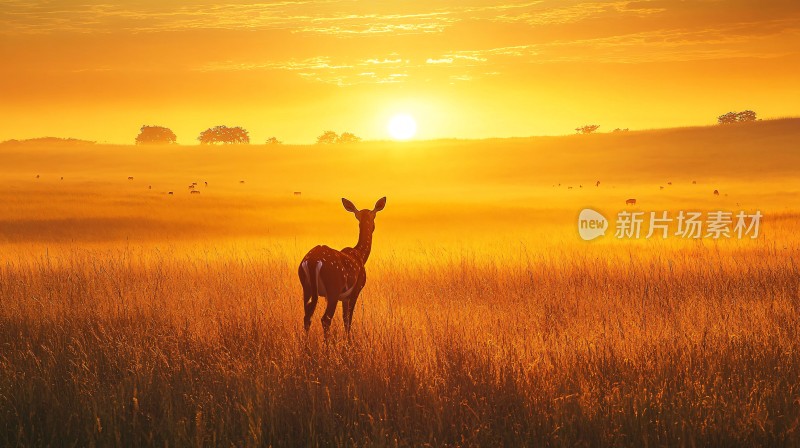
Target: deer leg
x=329, y=311
x=348, y=311
x=346, y=314
x=310, y=304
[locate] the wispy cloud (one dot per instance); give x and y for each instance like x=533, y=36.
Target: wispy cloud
x=324, y=69
x=335, y=17
x=440, y=34
x=320, y=17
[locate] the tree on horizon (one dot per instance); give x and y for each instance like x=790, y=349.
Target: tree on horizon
x=348, y=137
x=155, y=135
x=328, y=138
x=587, y=129
x=225, y=135
x=737, y=117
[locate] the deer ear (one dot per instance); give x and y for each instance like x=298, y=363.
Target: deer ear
x=349, y=206
x=379, y=205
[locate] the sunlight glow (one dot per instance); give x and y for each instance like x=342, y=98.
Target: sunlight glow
x=402, y=127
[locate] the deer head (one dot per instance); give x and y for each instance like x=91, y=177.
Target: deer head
x=366, y=217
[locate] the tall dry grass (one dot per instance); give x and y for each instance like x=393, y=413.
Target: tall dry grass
x=565, y=346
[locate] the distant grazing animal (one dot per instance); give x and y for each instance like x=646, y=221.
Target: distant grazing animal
x=37, y=176
x=716, y=192
x=195, y=192
x=169, y=192
x=206, y=184
x=241, y=181
x=597, y=184
x=130, y=177
x=630, y=202
x=338, y=275
x=191, y=187
x=62, y=177
x=669, y=183
x=194, y=184
x=149, y=187
x=569, y=188
x=694, y=182
x=580, y=186
x=661, y=187
x=298, y=193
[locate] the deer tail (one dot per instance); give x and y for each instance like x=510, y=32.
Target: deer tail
x=312, y=280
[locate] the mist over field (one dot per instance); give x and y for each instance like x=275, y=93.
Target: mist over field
x=132, y=316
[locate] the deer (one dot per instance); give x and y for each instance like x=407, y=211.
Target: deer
x=630, y=202
x=338, y=275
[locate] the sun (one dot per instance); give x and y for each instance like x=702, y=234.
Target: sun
x=402, y=127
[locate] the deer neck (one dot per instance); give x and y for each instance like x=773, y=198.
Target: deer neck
x=364, y=245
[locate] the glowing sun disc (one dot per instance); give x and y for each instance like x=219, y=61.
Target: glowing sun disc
x=402, y=127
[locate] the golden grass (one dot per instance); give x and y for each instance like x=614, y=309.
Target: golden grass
x=130, y=317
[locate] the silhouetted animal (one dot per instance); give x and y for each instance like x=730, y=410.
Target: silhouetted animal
x=338, y=275
x=169, y=192
x=630, y=202
x=597, y=184
x=716, y=192
x=130, y=177
x=195, y=192
x=297, y=193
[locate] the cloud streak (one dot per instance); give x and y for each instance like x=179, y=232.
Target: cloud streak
x=434, y=39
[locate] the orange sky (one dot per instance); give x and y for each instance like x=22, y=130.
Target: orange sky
x=100, y=69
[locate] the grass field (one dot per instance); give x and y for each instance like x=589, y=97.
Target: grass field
x=133, y=317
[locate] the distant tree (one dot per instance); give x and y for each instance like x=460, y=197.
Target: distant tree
x=730, y=117
x=223, y=134
x=746, y=115
x=588, y=129
x=348, y=137
x=328, y=138
x=154, y=135
x=274, y=141
x=737, y=117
